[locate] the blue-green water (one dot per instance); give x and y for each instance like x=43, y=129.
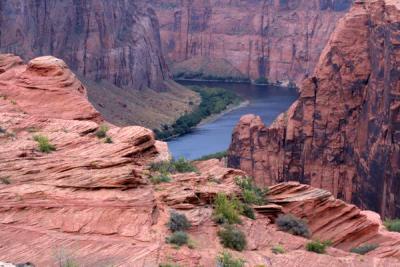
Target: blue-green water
x=265, y=101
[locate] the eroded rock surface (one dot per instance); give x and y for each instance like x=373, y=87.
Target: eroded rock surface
x=279, y=40
x=342, y=134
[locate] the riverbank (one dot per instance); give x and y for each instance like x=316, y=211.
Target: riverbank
x=229, y=109
x=214, y=102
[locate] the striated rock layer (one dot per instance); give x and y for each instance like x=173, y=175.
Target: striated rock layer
x=114, y=46
x=91, y=203
x=277, y=39
x=343, y=133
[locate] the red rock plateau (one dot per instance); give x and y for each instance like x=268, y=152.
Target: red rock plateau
x=92, y=201
x=277, y=39
x=343, y=133
x=113, y=45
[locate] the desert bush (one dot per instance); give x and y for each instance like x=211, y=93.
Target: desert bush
x=160, y=178
x=248, y=212
x=251, y=193
x=108, y=140
x=178, y=238
x=225, y=259
x=169, y=265
x=178, y=222
x=182, y=166
x=44, y=144
x=393, y=225
x=317, y=246
x=172, y=166
x=218, y=155
x=291, y=224
x=102, y=131
x=278, y=249
x=226, y=210
x=364, y=249
x=232, y=237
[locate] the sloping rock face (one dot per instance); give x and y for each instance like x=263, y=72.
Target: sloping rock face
x=276, y=39
x=117, y=41
x=342, y=134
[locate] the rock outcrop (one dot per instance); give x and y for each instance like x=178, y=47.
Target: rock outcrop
x=114, y=46
x=343, y=133
x=275, y=39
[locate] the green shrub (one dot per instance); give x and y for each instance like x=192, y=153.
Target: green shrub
x=248, y=212
x=291, y=224
x=218, y=155
x=173, y=166
x=232, y=237
x=226, y=210
x=251, y=193
x=168, y=265
x=278, y=249
x=393, y=225
x=364, y=249
x=178, y=238
x=317, y=246
x=160, y=178
x=178, y=222
x=102, y=131
x=108, y=140
x=225, y=259
x=44, y=144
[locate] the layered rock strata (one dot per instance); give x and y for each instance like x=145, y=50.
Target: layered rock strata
x=274, y=39
x=343, y=133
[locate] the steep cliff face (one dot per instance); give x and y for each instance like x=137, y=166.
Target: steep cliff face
x=343, y=133
x=115, y=43
x=276, y=39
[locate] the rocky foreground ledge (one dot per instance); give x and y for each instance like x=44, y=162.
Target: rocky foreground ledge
x=91, y=197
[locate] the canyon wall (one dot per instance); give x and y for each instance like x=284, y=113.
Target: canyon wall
x=343, y=133
x=114, y=47
x=274, y=39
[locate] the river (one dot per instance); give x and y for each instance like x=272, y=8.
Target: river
x=215, y=136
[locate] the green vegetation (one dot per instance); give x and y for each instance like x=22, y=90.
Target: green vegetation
x=209, y=77
x=102, y=131
x=278, y=249
x=108, y=140
x=291, y=224
x=251, y=193
x=232, y=237
x=364, y=249
x=5, y=180
x=261, y=80
x=318, y=246
x=248, y=212
x=178, y=238
x=227, y=210
x=169, y=265
x=173, y=166
x=44, y=144
x=178, y=222
x=225, y=259
x=392, y=225
x=160, y=178
x=213, y=101
x=218, y=155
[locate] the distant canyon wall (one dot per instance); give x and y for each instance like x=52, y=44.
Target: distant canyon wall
x=343, y=133
x=117, y=41
x=274, y=39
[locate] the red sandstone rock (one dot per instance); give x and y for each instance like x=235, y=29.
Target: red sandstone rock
x=280, y=40
x=342, y=134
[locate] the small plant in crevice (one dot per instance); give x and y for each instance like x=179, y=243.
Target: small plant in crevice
x=251, y=193
x=278, y=249
x=293, y=225
x=108, y=140
x=392, y=225
x=5, y=180
x=178, y=222
x=44, y=144
x=178, y=238
x=102, y=131
x=232, y=237
x=160, y=178
x=227, y=210
x=318, y=246
x=364, y=249
x=225, y=259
